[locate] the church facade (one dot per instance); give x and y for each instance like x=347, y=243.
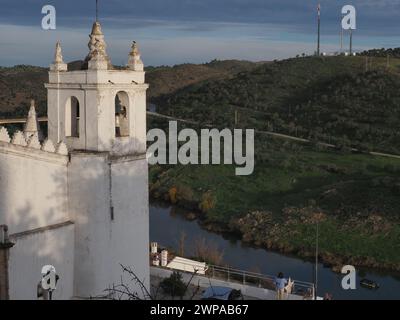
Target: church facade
x=78, y=200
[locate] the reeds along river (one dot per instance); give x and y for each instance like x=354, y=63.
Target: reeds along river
x=168, y=223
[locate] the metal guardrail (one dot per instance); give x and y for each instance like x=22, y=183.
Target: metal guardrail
x=254, y=279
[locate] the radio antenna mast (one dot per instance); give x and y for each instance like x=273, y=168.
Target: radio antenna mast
x=97, y=10
x=319, y=30
x=341, y=34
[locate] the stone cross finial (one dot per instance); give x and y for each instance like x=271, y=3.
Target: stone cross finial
x=58, y=64
x=134, y=61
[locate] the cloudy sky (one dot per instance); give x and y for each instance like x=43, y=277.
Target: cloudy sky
x=179, y=31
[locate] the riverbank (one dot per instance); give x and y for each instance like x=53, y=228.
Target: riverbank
x=257, y=230
x=354, y=198
x=171, y=228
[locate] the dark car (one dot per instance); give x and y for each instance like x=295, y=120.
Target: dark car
x=221, y=293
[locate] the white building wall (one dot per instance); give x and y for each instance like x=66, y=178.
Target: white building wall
x=91, y=122
x=58, y=99
x=105, y=118
x=139, y=121
x=33, y=251
x=33, y=198
x=89, y=203
x=42, y=189
x=130, y=227
x=106, y=237
x=97, y=76
x=33, y=186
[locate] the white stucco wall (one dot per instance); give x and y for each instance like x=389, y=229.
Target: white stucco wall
x=89, y=203
x=33, y=251
x=41, y=190
x=33, y=188
x=97, y=76
x=130, y=227
x=57, y=102
x=102, y=243
x=33, y=197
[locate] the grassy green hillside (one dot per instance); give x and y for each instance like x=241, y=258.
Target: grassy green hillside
x=168, y=80
x=20, y=84
x=333, y=99
x=355, y=197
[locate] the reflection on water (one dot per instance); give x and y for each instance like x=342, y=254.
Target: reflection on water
x=167, y=225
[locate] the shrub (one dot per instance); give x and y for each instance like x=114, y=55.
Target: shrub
x=207, y=202
x=185, y=193
x=173, y=195
x=174, y=285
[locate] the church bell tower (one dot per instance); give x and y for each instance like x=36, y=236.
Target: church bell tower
x=98, y=108
x=100, y=113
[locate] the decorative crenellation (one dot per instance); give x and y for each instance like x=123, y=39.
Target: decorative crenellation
x=48, y=146
x=19, y=139
x=33, y=142
x=4, y=136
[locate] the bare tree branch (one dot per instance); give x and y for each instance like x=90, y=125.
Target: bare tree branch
x=123, y=291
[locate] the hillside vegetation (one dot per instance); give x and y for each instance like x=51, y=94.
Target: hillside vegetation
x=20, y=84
x=168, y=80
x=334, y=99
x=357, y=198
x=354, y=197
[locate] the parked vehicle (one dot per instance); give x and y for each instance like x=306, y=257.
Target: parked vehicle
x=221, y=293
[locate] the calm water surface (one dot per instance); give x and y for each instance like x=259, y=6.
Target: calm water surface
x=167, y=224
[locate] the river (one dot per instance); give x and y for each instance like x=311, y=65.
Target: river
x=167, y=224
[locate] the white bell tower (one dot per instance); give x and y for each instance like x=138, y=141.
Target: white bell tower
x=100, y=113
x=98, y=108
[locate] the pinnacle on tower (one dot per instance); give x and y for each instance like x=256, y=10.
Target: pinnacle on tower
x=32, y=127
x=134, y=61
x=97, y=59
x=58, y=64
